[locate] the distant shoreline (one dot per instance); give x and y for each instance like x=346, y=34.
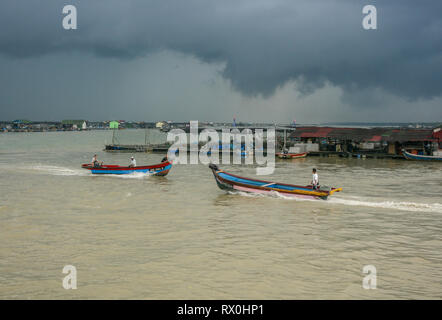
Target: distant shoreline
x=85, y=125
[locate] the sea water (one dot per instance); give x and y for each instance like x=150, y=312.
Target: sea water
x=181, y=237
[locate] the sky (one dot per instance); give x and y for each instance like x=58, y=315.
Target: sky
x=212, y=60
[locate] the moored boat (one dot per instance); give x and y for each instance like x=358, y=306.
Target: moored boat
x=228, y=181
x=291, y=155
x=161, y=169
x=411, y=156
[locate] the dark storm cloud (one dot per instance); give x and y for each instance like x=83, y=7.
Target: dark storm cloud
x=263, y=43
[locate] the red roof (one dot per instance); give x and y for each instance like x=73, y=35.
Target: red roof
x=376, y=138
x=318, y=133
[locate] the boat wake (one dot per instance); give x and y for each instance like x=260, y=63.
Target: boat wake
x=63, y=171
x=58, y=171
x=133, y=175
x=272, y=194
x=398, y=205
x=355, y=201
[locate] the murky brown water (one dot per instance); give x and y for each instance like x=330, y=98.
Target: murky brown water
x=180, y=237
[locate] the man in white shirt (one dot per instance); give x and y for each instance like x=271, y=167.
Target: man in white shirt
x=315, y=180
x=133, y=163
x=95, y=162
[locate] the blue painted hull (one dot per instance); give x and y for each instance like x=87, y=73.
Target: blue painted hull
x=228, y=181
x=411, y=156
x=160, y=169
x=152, y=171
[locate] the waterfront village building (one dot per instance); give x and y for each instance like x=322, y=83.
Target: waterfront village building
x=160, y=124
x=114, y=125
x=387, y=141
x=74, y=124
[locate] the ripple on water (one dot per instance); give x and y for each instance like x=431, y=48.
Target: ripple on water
x=181, y=237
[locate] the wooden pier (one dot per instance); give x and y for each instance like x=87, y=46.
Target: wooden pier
x=359, y=155
x=163, y=148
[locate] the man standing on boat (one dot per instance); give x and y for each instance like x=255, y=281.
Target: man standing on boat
x=315, y=180
x=133, y=163
x=95, y=162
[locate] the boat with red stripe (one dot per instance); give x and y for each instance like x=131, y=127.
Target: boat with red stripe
x=231, y=182
x=160, y=169
x=291, y=155
x=411, y=156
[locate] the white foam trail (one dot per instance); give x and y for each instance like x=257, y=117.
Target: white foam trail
x=133, y=175
x=272, y=194
x=356, y=201
x=59, y=171
x=63, y=171
x=248, y=194
x=398, y=205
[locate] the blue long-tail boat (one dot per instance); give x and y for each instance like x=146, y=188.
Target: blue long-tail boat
x=411, y=156
x=230, y=182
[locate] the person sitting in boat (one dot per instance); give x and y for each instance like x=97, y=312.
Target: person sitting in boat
x=133, y=162
x=95, y=162
x=315, y=180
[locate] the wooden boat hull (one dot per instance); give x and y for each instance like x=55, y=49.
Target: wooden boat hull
x=410, y=156
x=161, y=169
x=229, y=182
x=291, y=155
